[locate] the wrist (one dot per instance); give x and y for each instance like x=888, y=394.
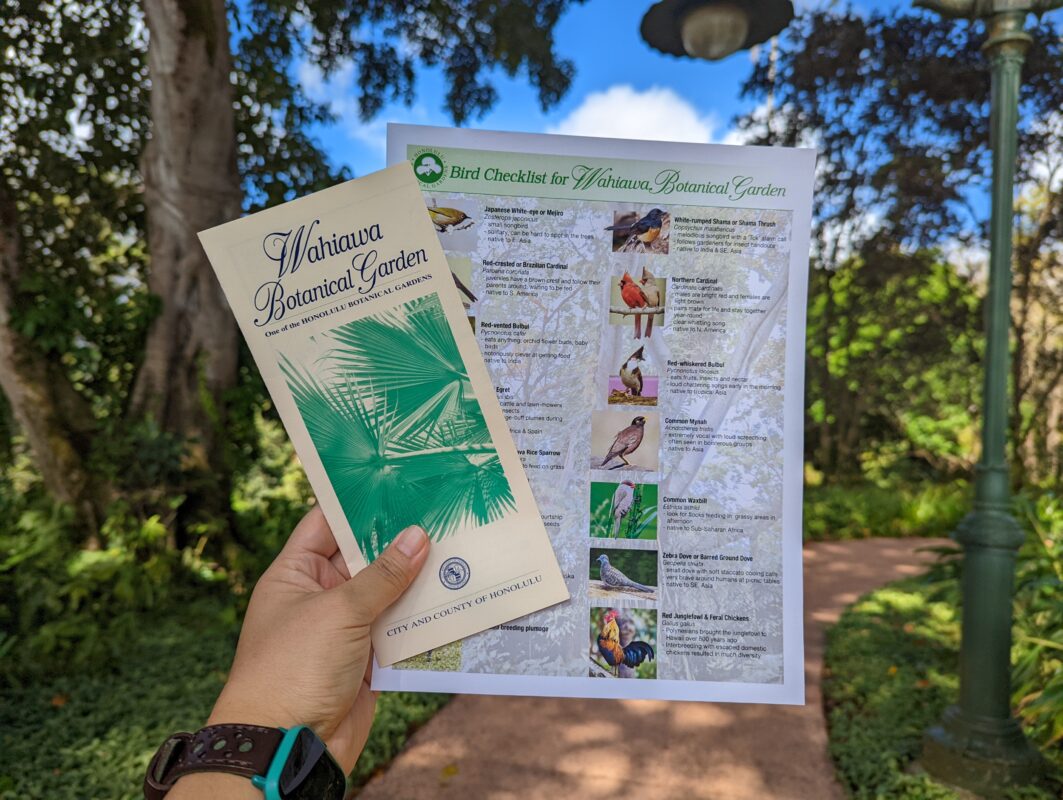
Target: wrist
x=214, y=786
x=238, y=708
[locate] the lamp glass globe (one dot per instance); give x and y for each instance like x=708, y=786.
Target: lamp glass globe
x=715, y=31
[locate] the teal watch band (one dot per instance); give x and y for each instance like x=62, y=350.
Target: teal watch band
x=302, y=769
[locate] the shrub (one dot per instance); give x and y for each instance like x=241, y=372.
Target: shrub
x=866, y=510
x=892, y=661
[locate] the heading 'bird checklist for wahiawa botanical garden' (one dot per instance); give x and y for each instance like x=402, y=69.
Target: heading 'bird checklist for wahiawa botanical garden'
x=640, y=307
x=357, y=326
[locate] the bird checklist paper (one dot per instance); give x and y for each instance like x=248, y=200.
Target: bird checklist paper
x=640, y=307
x=351, y=314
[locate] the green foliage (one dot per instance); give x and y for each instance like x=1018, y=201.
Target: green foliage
x=65, y=607
x=893, y=352
x=901, y=149
x=1037, y=680
x=69, y=606
x=91, y=734
x=866, y=510
x=892, y=667
x=641, y=519
x=398, y=428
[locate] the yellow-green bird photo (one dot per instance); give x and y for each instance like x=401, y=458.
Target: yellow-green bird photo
x=449, y=219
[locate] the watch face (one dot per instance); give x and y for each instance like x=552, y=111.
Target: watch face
x=311, y=773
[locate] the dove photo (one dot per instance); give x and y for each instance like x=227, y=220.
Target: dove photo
x=625, y=440
x=637, y=300
x=617, y=573
x=634, y=383
x=641, y=231
x=456, y=220
x=623, y=643
x=625, y=510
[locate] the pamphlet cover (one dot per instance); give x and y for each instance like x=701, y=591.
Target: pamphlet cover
x=350, y=311
x=640, y=307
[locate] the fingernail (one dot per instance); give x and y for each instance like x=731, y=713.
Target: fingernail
x=410, y=541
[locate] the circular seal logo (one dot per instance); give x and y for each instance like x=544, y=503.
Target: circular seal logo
x=454, y=572
x=428, y=167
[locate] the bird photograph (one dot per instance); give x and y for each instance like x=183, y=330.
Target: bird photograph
x=619, y=442
x=623, y=643
x=621, y=573
x=628, y=297
x=625, y=510
x=454, y=219
x=448, y=220
x=630, y=386
x=652, y=292
x=439, y=659
x=635, y=233
x=461, y=271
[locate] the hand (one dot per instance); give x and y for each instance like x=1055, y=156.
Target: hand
x=304, y=655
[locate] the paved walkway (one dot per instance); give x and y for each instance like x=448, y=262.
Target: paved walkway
x=496, y=748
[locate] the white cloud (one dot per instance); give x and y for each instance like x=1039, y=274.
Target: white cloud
x=622, y=111
x=338, y=92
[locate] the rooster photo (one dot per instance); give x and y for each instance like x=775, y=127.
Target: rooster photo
x=623, y=643
x=625, y=440
x=628, y=576
x=633, y=384
x=645, y=231
x=636, y=300
x=625, y=510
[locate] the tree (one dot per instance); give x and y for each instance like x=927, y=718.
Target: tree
x=112, y=327
x=904, y=166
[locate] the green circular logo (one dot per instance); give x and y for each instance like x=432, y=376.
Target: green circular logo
x=428, y=167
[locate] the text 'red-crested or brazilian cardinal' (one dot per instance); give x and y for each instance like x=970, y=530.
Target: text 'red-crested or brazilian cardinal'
x=626, y=442
x=633, y=296
x=631, y=375
x=623, y=497
x=615, y=654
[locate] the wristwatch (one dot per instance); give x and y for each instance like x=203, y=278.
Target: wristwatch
x=285, y=763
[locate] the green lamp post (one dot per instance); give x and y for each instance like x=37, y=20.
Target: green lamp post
x=978, y=744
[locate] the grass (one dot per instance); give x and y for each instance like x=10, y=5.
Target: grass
x=890, y=672
x=91, y=735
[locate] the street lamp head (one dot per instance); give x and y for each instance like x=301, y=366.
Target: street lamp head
x=713, y=29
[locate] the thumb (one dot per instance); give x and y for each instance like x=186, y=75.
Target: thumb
x=382, y=583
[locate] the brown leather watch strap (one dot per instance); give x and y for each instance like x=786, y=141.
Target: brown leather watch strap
x=241, y=749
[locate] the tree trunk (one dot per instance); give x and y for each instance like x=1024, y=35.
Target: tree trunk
x=56, y=421
x=191, y=184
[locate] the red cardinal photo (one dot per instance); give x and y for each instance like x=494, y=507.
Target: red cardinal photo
x=633, y=296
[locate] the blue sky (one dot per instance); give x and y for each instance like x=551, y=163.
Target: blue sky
x=622, y=88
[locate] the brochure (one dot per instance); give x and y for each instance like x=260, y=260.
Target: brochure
x=640, y=307
x=350, y=312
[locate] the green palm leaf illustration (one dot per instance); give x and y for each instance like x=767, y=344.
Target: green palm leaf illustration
x=398, y=428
